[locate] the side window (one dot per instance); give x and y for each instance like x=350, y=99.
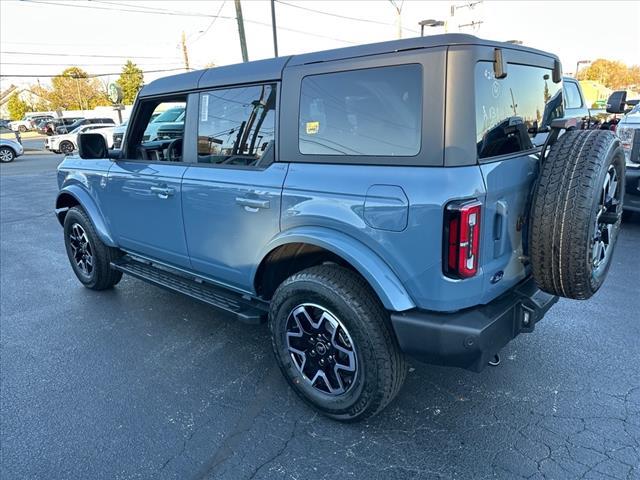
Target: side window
x=514, y=114
x=236, y=126
x=376, y=112
x=158, y=131
x=571, y=95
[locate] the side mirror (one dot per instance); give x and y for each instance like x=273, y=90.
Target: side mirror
x=92, y=146
x=616, y=102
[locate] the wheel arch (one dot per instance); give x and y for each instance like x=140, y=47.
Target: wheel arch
x=296, y=250
x=74, y=195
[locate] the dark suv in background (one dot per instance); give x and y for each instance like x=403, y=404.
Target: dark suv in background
x=62, y=129
x=49, y=127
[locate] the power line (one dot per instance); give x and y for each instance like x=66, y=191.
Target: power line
x=345, y=17
x=130, y=10
x=189, y=14
x=96, y=7
x=51, y=54
x=86, y=64
x=92, y=75
x=206, y=30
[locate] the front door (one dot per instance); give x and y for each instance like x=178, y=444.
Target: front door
x=144, y=189
x=231, y=196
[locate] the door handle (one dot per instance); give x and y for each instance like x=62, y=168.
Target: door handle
x=253, y=202
x=162, y=192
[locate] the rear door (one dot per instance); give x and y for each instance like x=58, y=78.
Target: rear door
x=144, y=202
x=512, y=119
x=231, y=195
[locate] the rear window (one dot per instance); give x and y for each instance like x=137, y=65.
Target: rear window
x=373, y=112
x=513, y=114
x=571, y=95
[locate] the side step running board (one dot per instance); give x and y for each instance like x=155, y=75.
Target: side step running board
x=246, y=311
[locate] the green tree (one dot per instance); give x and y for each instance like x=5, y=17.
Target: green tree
x=130, y=81
x=17, y=107
x=74, y=90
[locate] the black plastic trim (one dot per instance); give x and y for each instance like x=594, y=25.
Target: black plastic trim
x=470, y=338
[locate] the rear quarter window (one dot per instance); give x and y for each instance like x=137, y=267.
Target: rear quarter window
x=373, y=112
x=513, y=114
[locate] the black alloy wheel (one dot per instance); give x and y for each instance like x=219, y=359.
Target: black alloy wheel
x=321, y=349
x=81, y=249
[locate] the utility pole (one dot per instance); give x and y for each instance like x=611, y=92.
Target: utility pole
x=273, y=25
x=243, y=40
x=398, y=16
x=184, y=52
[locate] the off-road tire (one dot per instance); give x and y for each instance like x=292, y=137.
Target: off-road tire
x=102, y=276
x=380, y=363
x=564, y=214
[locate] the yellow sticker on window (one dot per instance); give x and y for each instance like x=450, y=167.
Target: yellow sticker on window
x=312, y=128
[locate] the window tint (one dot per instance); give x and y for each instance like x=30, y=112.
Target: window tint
x=514, y=114
x=571, y=95
x=237, y=126
x=376, y=112
x=156, y=141
x=172, y=125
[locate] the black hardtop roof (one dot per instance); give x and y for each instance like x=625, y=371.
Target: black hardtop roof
x=271, y=69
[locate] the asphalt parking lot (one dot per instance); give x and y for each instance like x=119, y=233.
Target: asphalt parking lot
x=138, y=383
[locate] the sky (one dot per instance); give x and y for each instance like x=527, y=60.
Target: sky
x=39, y=37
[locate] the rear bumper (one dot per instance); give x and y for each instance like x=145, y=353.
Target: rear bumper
x=470, y=338
x=632, y=190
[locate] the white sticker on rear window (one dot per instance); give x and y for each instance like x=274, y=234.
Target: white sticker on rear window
x=204, y=108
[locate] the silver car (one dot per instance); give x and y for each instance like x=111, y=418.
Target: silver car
x=9, y=150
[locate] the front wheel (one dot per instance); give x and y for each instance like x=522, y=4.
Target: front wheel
x=6, y=155
x=334, y=343
x=22, y=129
x=89, y=257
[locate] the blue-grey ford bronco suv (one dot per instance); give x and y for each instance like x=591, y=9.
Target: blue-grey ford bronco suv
x=421, y=197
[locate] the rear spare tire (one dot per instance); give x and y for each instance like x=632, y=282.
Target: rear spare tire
x=576, y=213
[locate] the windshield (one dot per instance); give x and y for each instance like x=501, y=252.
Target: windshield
x=171, y=115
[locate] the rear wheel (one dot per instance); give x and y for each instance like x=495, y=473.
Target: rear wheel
x=89, y=257
x=576, y=213
x=7, y=155
x=334, y=344
x=22, y=128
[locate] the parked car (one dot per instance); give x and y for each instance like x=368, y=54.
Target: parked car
x=49, y=127
x=174, y=116
x=628, y=129
x=4, y=124
x=350, y=198
x=118, y=134
x=28, y=122
x=62, y=129
x=107, y=133
x=9, y=150
x=68, y=142
x=120, y=130
x=8, y=134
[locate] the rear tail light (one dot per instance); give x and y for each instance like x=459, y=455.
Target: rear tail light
x=462, y=239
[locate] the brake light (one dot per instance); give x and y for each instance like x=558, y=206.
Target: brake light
x=462, y=239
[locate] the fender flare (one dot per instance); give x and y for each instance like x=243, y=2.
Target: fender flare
x=89, y=205
x=376, y=272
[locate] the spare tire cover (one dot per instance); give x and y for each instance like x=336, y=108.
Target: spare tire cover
x=576, y=211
